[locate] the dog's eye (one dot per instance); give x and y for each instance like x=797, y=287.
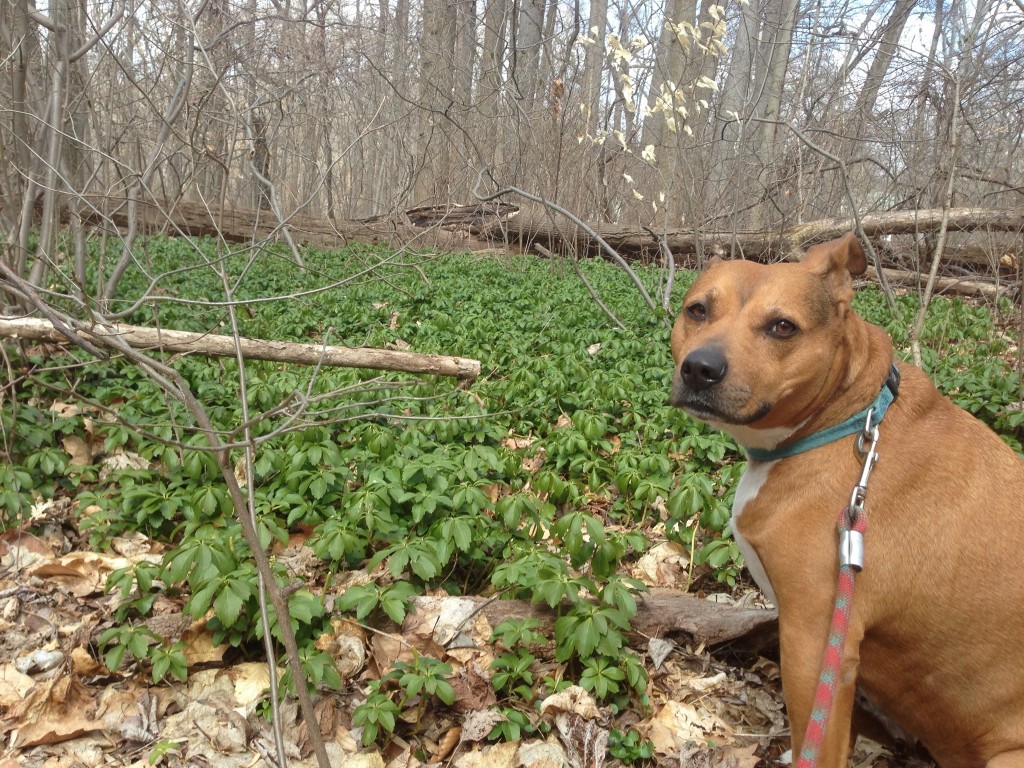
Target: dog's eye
x=697, y=311
x=782, y=329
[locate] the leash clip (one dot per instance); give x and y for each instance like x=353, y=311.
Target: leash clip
x=868, y=437
x=851, y=541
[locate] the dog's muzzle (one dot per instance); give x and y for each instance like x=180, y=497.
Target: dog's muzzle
x=698, y=388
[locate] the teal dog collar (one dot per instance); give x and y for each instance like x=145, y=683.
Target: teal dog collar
x=888, y=394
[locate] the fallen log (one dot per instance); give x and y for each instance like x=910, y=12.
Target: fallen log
x=556, y=234
x=216, y=345
x=945, y=285
x=910, y=223
x=660, y=612
x=244, y=225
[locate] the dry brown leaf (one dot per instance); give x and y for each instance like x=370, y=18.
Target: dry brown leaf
x=199, y=645
x=135, y=545
x=65, y=410
x=121, y=460
x=473, y=689
x=733, y=756
x=586, y=742
x=501, y=755
x=659, y=650
x=84, y=665
x=20, y=550
x=664, y=565
x=132, y=714
x=479, y=724
x=368, y=760
x=676, y=724
x=448, y=743
x=518, y=443
x=542, y=754
x=347, y=650
x=251, y=680
x=13, y=685
x=78, y=449
x=437, y=622
x=83, y=573
x=573, y=699
x=52, y=712
x=385, y=650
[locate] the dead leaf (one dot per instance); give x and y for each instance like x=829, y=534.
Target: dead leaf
x=346, y=645
x=252, y=681
x=586, y=742
x=659, y=650
x=733, y=756
x=199, y=645
x=64, y=410
x=518, y=443
x=542, y=754
x=439, y=619
x=52, y=712
x=501, y=755
x=13, y=685
x=83, y=573
x=84, y=665
x=676, y=724
x=451, y=740
x=573, y=699
x=473, y=689
x=119, y=460
x=478, y=725
x=663, y=565
x=78, y=450
x=593, y=349
x=385, y=650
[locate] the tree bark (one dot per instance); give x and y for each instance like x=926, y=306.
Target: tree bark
x=660, y=612
x=790, y=243
x=215, y=345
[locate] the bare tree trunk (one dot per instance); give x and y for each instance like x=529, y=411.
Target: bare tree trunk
x=529, y=31
x=437, y=83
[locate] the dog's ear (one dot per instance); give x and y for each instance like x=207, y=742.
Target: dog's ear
x=842, y=255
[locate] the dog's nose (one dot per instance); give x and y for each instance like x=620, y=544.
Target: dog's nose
x=703, y=368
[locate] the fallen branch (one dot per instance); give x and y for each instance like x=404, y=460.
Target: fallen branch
x=946, y=285
x=532, y=226
x=215, y=345
x=660, y=612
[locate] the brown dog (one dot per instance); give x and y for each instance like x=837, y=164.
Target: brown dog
x=773, y=354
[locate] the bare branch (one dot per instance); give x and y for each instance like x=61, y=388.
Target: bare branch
x=215, y=345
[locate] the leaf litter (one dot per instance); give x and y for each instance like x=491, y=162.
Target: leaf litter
x=60, y=706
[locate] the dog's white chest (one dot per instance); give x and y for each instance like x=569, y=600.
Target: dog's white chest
x=749, y=486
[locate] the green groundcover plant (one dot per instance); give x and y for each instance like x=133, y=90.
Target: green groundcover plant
x=541, y=480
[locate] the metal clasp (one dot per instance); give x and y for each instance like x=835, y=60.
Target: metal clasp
x=851, y=542
x=868, y=437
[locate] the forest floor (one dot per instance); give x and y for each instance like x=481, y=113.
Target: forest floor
x=61, y=706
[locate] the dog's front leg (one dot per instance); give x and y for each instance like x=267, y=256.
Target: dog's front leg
x=802, y=647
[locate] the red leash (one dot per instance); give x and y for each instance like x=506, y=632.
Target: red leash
x=814, y=737
x=853, y=522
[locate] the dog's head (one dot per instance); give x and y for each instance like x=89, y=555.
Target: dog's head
x=757, y=347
